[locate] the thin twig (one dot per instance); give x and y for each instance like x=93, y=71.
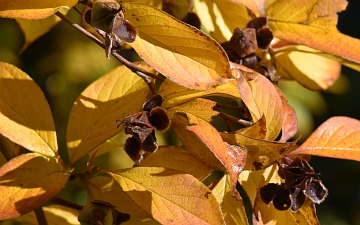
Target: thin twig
x=224, y=106
x=139, y=71
x=60, y=201
x=40, y=216
x=227, y=117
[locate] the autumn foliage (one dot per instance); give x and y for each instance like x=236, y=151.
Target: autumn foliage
x=188, y=77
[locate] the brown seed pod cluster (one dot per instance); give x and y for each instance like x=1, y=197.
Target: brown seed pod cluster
x=142, y=125
x=245, y=44
x=300, y=182
x=107, y=18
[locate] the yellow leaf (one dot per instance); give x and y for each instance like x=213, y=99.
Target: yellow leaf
x=176, y=158
x=313, y=71
x=55, y=215
x=25, y=116
x=233, y=209
x=28, y=181
x=338, y=137
x=175, y=94
x=107, y=189
x=180, y=52
x=9, y=149
x=199, y=107
x=169, y=196
x=260, y=153
x=93, y=117
x=312, y=23
x=221, y=17
x=194, y=144
x=261, y=98
x=33, y=29
x=32, y=9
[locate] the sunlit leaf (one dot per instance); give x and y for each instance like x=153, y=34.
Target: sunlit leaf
x=221, y=17
x=231, y=156
x=32, y=9
x=261, y=98
x=176, y=158
x=180, y=52
x=194, y=144
x=260, y=153
x=25, y=116
x=290, y=120
x=257, y=130
x=175, y=94
x=338, y=137
x=9, y=149
x=256, y=6
x=199, y=107
x=33, y=29
x=313, y=71
x=55, y=215
x=28, y=181
x=106, y=189
x=170, y=196
x=312, y=23
x=93, y=117
x=233, y=209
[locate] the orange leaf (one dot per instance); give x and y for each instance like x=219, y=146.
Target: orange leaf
x=261, y=98
x=231, y=156
x=25, y=115
x=194, y=144
x=177, y=158
x=93, y=117
x=32, y=9
x=28, y=181
x=260, y=153
x=313, y=23
x=290, y=120
x=170, y=196
x=338, y=137
x=257, y=130
x=180, y=52
x=174, y=94
x=256, y=6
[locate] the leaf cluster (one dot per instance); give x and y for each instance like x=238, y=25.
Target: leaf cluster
x=191, y=73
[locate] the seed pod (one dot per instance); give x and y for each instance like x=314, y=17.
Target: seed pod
x=159, y=119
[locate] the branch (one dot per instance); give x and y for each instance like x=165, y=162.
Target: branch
x=134, y=68
x=40, y=216
x=227, y=117
x=60, y=201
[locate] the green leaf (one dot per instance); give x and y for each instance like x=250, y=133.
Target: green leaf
x=180, y=52
x=93, y=117
x=28, y=181
x=25, y=116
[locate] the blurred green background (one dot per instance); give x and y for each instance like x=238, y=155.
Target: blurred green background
x=63, y=62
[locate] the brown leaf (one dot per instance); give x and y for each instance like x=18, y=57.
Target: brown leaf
x=338, y=137
x=28, y=181
x=231, y=156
